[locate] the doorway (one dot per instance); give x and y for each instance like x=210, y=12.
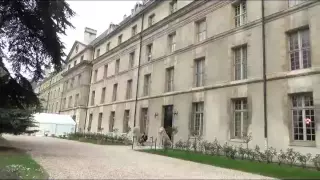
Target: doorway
x=167, y=119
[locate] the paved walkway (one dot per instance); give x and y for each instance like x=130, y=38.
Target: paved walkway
x=64, y=159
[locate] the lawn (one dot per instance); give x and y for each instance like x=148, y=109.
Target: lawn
x=270, y=170
x=16, y=164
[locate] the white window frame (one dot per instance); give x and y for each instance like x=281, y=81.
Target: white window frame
x=172, y=42
x=146, y=85
x=149, y=52
x=292, y=3
x=244, y=119
x=129, y=89
x=131, y=59
x=126, y=119
x=302, y=98
x=199, y=72
x=300, y=49
x=114, y=92
x=240, y=64
x=169, y=79
x=93, y=94
x=240, y=12
x=117, y=66
x=198, y=118
x=201, y=33
x=103, y=95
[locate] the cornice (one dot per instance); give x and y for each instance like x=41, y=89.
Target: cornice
x=73, y=69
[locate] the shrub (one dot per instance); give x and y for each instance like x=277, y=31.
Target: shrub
x=316, y=162
x=250, y=154
x=303, y=159
x=269, y=154
x=186, y=145
x=241, y=152
x=179, y=144
x=166, y=144
x=291, y=156
x=282, y=157
x=217, y=147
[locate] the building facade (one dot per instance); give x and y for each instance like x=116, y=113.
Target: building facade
x=219, y=69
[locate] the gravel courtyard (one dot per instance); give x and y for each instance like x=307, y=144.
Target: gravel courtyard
x=64, y=159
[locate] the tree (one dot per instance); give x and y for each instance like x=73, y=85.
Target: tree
x=29, y=42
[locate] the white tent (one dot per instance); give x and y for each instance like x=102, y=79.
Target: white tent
x=53, y=124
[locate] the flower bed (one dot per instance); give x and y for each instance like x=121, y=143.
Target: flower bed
x=97, y=138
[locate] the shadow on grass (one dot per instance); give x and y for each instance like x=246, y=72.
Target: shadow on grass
x=17, y=164
x=261, y=168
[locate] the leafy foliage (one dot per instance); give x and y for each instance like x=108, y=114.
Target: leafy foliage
x=29, y=42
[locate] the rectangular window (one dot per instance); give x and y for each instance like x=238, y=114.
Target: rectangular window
x=303, y=118
x=119, y=39
x=197, y=119
x=129, y=89
x=74, y=63
x=90, y=122
x=172, y=42
x=76, y=100
x=114, y=93
x=95, y=75
x=70, y=102
x=81, y=58
x=111, y=121
x=240, y=63
x=103, y=95
x=64, y=103
x=144, y=121
x=240, y=10
x=79, y=79
x=69, y=66
x=147, y=83
x=93, y=94
x=295, y=2
x=149, y=52
x=126, y=118
x=72, y=82
x=105, y=73
x=57, y=110
x=99, y=128
x=173, y=6
x=240, y=118
x=299, y=49
x=131, y=59
x=108, y=47
x=169, y=79
x=151, y=20
x=201, y=30
x=117, y=65
x=98, y=53
x=199, y=72
x=134, y=30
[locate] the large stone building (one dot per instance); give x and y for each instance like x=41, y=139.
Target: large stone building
x=219, y=69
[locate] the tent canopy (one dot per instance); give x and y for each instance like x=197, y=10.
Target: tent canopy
x=45, y=118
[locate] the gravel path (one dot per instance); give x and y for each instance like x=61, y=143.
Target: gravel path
x=64, y=159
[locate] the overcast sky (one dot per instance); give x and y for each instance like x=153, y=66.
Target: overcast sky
x=95, y=14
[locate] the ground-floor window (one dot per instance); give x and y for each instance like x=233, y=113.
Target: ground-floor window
x=126, y=119
x=240, y=117
x=303, y=117
x=111, y=121
x=144, y=121
x=197, y=119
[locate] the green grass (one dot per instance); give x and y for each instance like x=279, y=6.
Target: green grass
x=15, y=163
x=271, y=170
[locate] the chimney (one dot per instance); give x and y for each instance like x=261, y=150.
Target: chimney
x=89, y=35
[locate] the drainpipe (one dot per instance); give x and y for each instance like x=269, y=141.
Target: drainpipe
x=87, y=109
x=138, y=76
x=264, y=75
